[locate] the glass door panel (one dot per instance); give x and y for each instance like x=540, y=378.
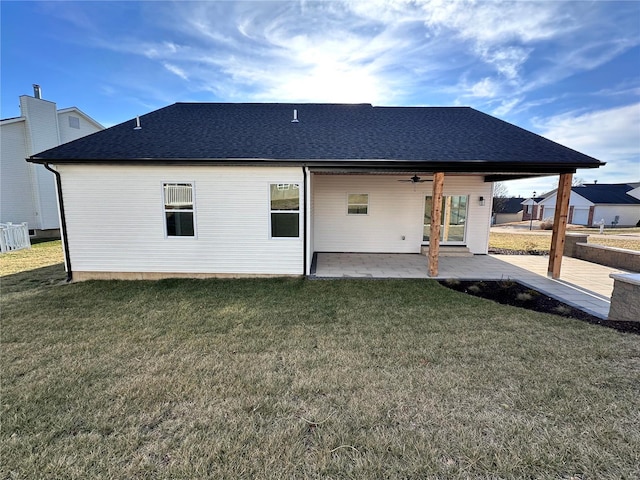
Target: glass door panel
x=453, y=218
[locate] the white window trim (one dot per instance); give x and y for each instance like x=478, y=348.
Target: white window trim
x=368, y=204
x=179, y=238
x=280, y=186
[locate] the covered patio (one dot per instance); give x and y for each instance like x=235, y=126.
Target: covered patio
x=581, y=284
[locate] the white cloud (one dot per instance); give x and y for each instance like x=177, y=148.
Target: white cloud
x=494, y=55
x=506, y=106
x=175, y=70
x=485, y=88
x=609, y=135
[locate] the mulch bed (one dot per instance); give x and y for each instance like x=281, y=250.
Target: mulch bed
x=509, y=292
x=508, y=251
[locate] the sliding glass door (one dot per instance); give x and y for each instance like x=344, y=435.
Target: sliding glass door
x=452, y=220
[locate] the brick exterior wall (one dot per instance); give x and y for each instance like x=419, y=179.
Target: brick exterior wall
x=527, y=216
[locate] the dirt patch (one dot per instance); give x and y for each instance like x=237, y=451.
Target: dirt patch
x=512, y=293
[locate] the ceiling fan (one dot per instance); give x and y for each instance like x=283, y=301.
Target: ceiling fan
x=415, y=179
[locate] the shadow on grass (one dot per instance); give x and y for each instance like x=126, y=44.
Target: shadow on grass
x=40, y=277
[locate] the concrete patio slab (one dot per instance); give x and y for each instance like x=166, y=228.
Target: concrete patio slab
x=583, y=285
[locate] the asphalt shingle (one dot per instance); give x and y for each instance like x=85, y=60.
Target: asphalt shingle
x=325, y=132
x=611, y=193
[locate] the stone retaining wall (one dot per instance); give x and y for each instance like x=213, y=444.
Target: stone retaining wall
x=609, y=256
x=625, y=300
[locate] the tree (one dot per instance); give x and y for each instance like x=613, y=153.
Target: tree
x=500, y=195
x=577, y=182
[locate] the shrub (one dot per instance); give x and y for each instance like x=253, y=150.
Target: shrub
x=546, y=224
x=562, y=310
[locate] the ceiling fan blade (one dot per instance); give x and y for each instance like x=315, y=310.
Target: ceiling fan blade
x=415, y=179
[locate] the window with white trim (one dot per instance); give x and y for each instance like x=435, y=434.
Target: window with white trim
x=284, y=207
x=357, y=204
x=178, y=209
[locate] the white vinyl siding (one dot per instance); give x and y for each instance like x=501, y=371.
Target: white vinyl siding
x=629, y=214
x=42, y=134
x=17, y=203
x=68, y=132
x=396, y=210
x=231, y=211
x=28, y=190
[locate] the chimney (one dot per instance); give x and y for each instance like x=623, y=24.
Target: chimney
x=37, y=92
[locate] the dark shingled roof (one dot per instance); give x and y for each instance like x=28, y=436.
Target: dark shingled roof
x=508, y=205
x=612, y=193
x=326, y=135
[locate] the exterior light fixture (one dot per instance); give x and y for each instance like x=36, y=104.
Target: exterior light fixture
x=481, y=201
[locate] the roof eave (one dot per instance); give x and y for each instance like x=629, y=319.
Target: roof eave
x=479, y=166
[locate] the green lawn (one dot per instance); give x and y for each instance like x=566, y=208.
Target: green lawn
x=39, y=255
x=292, y=378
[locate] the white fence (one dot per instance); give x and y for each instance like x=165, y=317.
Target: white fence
x=14, y=237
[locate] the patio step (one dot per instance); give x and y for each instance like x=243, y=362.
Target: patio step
x=449, y=251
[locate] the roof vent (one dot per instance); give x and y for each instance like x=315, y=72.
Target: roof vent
x=37, y=91
x=137, y=127
x=295, y=116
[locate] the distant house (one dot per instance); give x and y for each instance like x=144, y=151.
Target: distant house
x=515, y=209
x=28, y=192
x=212, y=189
x=531, y=209
x=617, y=204
x=507, y=210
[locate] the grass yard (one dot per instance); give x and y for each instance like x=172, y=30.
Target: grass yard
x=39, y=255
x=292, y=378
x=539, y=241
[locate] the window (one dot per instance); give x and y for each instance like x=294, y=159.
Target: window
x=178, y=209
x=453, y=218
x=74, y=122
x=285, y=210
x=358, y=204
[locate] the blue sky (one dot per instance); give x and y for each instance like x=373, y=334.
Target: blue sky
x=567, y=70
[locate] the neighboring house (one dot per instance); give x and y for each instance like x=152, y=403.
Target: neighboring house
x=507, y=210
x=531, y=209
x=28, y=192
x=617, y=204
x=208, y=189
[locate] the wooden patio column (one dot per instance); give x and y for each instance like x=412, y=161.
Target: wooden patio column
x=434, y=232
x=559, y=225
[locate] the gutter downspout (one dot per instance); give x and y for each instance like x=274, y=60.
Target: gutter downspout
x=63, y=222
x=304, y=223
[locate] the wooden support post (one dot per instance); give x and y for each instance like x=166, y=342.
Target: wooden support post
x=559, y=225
x=436, y=214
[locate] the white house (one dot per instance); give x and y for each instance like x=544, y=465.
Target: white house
x=618, y=204
x=209, y=189
x=28, y=191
